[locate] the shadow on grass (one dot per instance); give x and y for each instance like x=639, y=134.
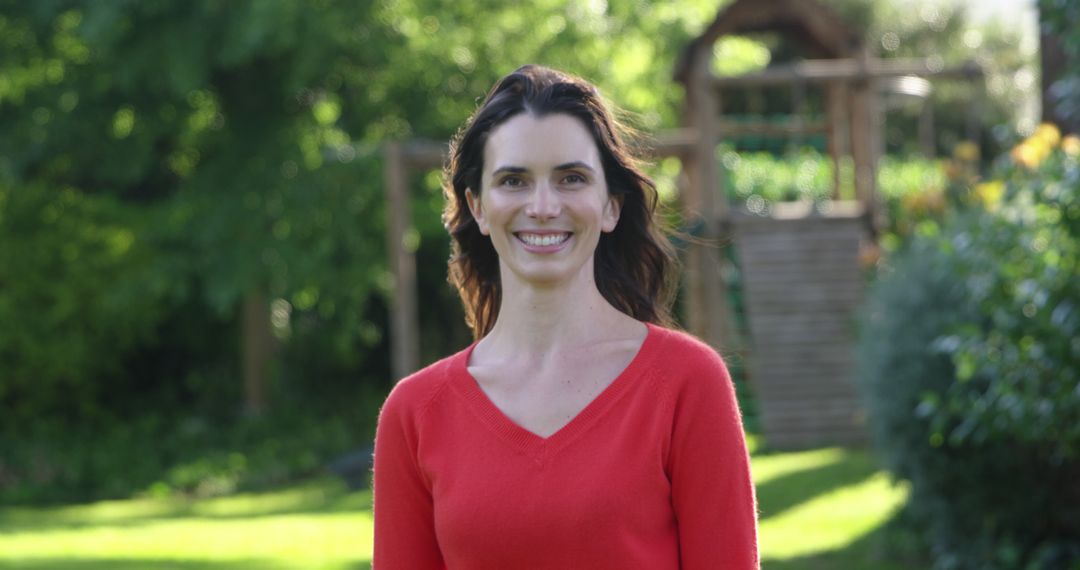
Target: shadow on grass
x=318, y=496
x=156, y=564
x=792, y=489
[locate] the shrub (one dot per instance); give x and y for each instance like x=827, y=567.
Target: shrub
x=969, y=357
x=760, y=178
x=179, y=454
x=74, y=296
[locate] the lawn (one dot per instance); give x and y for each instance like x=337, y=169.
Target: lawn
x=820, y=509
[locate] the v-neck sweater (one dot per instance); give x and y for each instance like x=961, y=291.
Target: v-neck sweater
x=652, y=473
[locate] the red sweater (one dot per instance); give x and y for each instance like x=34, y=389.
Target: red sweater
x=653, y=473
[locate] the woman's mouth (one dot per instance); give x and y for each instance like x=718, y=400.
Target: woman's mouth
x=544, y=239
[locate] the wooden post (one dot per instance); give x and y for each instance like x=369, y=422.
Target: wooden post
x=926, y=128
x=404, y=320
x=837, y=97
x=707, y=298
x=798, y=115
x=865, y=135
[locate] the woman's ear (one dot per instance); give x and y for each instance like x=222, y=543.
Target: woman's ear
x=477, y=210
x=611, y=214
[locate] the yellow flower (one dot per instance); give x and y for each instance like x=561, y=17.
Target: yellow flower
x=925, y=202
x=990, y=193
x=966, y=151
x=1030, y=153
x=1048, y=133
x=1071, y=145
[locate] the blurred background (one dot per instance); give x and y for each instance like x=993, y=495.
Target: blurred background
x=197, y=288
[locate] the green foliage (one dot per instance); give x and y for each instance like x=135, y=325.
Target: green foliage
x=176, y=455
x=968, y=356
x=758, y=179
x=68, y=268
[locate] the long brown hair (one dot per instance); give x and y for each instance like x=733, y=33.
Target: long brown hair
x=634, y=264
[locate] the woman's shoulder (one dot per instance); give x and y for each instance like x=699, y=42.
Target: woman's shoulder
x=416, y=391
x=685, y=364
x=682, y=350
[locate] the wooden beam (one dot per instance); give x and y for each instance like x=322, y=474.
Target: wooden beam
x=672, y=142
x=731, y=128
x=826, y=70
x=404, y=320
x=424, y=154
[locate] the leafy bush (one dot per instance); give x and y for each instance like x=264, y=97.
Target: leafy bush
x=910, y=188
x=74, y=295
x=969, y=356
x=187, y=455
x=808, y=174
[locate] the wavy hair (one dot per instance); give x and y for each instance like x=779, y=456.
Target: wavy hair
x=634, y=264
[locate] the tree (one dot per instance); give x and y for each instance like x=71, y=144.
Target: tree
x=237, y=144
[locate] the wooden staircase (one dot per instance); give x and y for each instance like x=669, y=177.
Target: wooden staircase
x=802, y=285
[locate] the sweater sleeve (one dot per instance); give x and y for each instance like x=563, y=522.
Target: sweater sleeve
x=712, y=491
x=404, y=514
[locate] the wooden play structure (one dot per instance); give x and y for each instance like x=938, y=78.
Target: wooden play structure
x=798, y=263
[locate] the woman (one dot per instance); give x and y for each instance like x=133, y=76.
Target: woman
x=577, y=432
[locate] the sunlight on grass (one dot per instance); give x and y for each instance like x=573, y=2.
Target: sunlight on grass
x=314, y=525
x=815, y=507
x=831, y=521
x=303, y=496
x=317, y=539
x=769, y=467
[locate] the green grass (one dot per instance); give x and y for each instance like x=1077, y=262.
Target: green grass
x=823, y=509
x=820, y=509
x=316, y=525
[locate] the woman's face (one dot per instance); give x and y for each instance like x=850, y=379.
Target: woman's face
x=544, y=200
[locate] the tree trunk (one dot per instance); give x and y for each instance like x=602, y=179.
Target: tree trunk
x=1055, y=62
x=258, y=349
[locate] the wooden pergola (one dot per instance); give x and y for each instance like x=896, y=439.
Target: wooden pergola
x=799, y=263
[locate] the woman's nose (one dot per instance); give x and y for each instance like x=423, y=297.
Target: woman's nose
x=544, y=203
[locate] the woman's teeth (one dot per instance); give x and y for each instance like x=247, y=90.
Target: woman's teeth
x=544, y=239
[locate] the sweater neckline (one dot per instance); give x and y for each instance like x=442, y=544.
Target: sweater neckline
x=530, y=443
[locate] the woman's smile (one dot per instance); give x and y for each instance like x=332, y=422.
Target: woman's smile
x=543, y=242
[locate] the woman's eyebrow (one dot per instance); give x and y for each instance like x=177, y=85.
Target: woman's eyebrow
x=509, y=170
x=577, y=164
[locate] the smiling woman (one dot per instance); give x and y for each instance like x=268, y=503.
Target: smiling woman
x=579, y=430
x=544, y=201
x=634, y=264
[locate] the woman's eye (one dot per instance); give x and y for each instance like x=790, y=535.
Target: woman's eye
x=573, y=179
x=513, y=182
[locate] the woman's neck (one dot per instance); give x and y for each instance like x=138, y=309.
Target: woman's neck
x=536, y=322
